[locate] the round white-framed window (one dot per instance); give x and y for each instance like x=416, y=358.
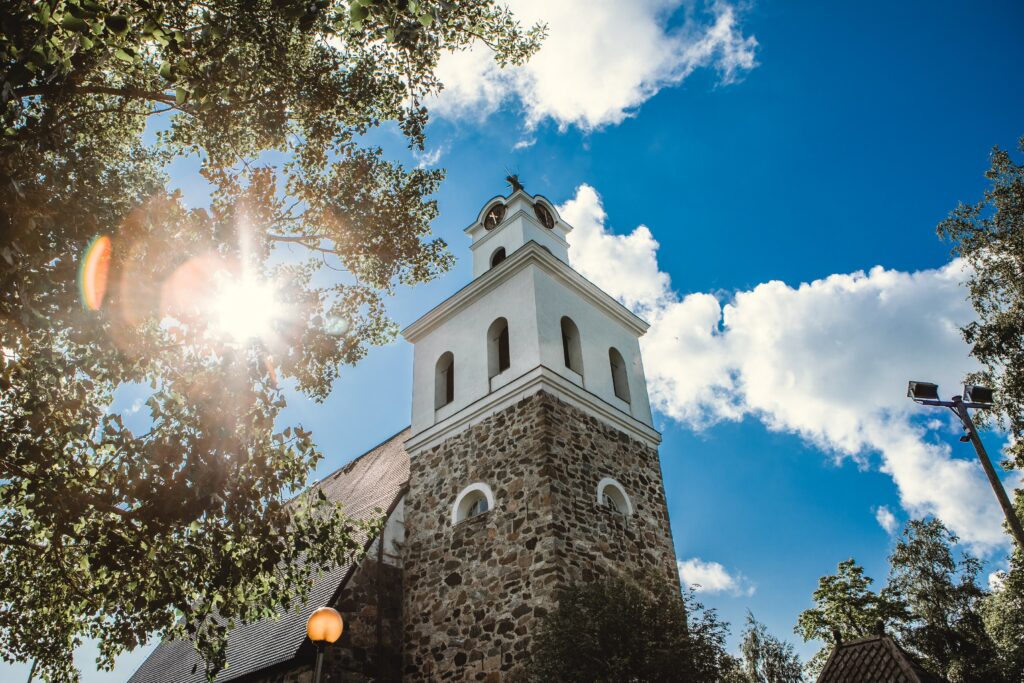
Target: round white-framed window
x=473, y=500
x=612, y=495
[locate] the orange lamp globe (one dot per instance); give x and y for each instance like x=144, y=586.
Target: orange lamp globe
x=324, y=625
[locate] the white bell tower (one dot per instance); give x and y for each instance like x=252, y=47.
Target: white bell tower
x=527, y=322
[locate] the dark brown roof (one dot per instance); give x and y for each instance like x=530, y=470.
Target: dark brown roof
x=373, y=480
x=874, y=660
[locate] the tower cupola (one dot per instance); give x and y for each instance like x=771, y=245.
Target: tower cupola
x=507, y=223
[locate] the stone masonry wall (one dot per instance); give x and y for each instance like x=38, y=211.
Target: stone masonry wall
x=370, y=646
x=473, y=593
x=360, y=655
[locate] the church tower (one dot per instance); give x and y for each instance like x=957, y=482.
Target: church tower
x=533, y=459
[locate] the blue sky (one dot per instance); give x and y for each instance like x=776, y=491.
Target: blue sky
x=776, y=153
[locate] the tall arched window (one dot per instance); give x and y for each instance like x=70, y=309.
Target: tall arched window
x=498, y=256
x=620, y=378
x=571, y=346
x=444, y=380
x=498, y=359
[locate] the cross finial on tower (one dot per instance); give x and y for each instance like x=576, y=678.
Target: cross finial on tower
x=513, y=180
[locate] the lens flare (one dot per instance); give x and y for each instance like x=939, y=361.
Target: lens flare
x=92, y=276
x=244, y=308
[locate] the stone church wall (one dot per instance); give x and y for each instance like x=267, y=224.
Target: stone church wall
x=474, y=592
x=370, y=646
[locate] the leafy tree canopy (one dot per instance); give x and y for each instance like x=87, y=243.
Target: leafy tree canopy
x=118, y=533
x=989, y=236
x=1003, y=612
x=764, y=658
x=618, y=631
x=846, y=609
x=932, y=605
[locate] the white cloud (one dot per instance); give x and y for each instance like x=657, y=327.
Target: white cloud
x=996, y=581
x=826, y=360
x=886, y=519
x=601, y=60
x=428, y=158
x=712, y=577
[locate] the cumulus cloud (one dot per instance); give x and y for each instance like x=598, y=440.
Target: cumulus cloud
x=886, y=520
x=712, y=577
x=601, y=60
x=827, y=360
x=428, y=158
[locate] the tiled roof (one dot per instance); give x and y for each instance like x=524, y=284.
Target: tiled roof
x=873, y=660
x=373, y=480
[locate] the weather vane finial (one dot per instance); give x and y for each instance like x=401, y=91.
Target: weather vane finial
x=513, y=180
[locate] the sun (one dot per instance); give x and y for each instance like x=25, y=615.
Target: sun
x=244, y=308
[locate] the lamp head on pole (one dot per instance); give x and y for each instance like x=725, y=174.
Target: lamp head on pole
x=923, y=391
x=979, y=395
x=324, y=626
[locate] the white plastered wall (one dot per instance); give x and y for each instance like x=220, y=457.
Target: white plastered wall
x=465, y=335
x=533, y=301
x=598, y=333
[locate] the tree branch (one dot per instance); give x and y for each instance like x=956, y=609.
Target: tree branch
x=24, y=544
x=126, y=92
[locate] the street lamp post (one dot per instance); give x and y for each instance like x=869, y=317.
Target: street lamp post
x=927, y=394
x=324, y=627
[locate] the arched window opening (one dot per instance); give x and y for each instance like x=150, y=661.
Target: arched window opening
x=571, y=351
x=498, y=359
x=498, y=256
x=612, y=495
x=444, y=380
x=543, y=215
x=620, y=378
x=474, y=500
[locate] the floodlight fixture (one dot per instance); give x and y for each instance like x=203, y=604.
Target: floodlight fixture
x=923, y=391
x=974, y=396
x=978, y=395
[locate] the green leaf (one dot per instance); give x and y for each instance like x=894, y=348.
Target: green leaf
x=180, y=95
x=123, y=54
x=358, y=13
x=167, y=71
x=427, y=20
x=73, y=23
x=37, y=56
x=118, y=24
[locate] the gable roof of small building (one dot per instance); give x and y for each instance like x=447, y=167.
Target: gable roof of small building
x=374, y=481
x=874, y=660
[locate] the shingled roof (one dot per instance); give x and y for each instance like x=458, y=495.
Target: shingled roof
x=874, y=660
x=374, y=480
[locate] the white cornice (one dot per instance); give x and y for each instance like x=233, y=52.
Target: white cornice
x=530, y=253
x=540, y=378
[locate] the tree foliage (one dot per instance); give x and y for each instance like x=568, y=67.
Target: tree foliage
x=617, y=630
x=118, y=533
x=846, y=609
x=932, y=605
x=764, y=658
x=989, y=236
x=1003, y=613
